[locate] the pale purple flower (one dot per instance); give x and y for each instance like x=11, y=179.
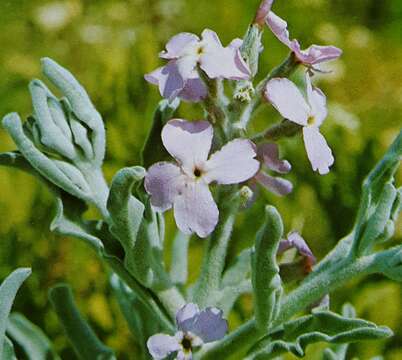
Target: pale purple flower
x=185, y=52
x=313, y=55
x=294, y=240
x=268, y=154
x=185, y=185
x=262, y=12
x=195, y=328
x=291, y=104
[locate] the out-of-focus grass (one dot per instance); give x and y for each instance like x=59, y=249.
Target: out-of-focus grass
x=109, y=45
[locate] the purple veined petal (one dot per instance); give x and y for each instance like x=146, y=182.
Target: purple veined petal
x=221, y=62
x=288, y=100
x=194, y=90
x=318, y=151
x=300, y=244
x=317, y=101
x=279, y=27
x=269, y=154
x=186, y=317
x=177, y=44
x=277, y=185
x=210, y=325
x=188, y=142
x=161, y=345
x=163, y=182
x=234, y=163
x=316, y=54
x=168, y=79
x=195, y=209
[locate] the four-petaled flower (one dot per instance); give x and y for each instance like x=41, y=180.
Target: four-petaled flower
x=185, y=185
x=311, y=56
x=195, y=328
x=185, y=52
x=289, y=101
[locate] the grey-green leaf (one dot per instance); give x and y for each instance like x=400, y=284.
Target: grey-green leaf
x=126, y=212
x=31, y=338
x=8, y=350
x=294, y=336
x=179, y=265
x=265, y=270
x=8, y=291
x=83, y=339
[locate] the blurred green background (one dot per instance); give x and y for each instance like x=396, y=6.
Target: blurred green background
x=109, y=45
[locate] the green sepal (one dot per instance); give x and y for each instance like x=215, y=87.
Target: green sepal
x=153, y=150
x=83, y=339
x=266, y=281
x=31, y=338
x=294, y=336
x=8, y=291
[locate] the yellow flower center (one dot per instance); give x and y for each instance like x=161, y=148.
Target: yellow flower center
x=311, y=120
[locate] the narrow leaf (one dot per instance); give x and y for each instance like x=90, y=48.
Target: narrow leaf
x=82, y=337
x=8, y=350
x=8, y=291
x=265, y=270
x=31, y=338
x=179, y=266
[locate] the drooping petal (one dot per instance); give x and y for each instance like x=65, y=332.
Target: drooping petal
x=177, y=44
x=288, y=100
x=277, y=185
x=161, y=345
x=318, y=151
x=262, y=12
x=317, y=101
x=186, y=317
x=294, y=240
x=210, y=325
x=269, y=154
x=221, y=62
x=316, y=54
x=188, y=142
x=169, y=80
x=234, y=163
x=163, y=182
x=194, y=90
x=279, y=27
x=195, y=209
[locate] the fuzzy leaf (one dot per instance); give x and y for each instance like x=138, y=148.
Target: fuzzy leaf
x=265, y=270
x=294, y=336
x=31, y=338
x=8, y=291
x=83, y=339
x=81, y=106
x=154, y=150
x=179, y=265
x=126, y=212
x=8, y=350
x=239, y=270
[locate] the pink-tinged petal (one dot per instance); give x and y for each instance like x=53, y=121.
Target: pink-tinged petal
x=221, y=62
x=279, y=27
x=210, y=325
x=269, y=154
x=316, y=54
x=276, y=185
x=263, y=12
x=160, y=346
x=234, y=163
x=186, y=317
x=318, y=151
x=163, y=182
x=288, y=100
x=195, y=209
x=178, y=43
x=194, y=90
x=188, y=142
x=168, y=79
